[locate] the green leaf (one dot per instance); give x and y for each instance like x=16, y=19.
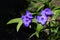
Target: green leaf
x=57, y=8
x=56, y=13
x=40, y=7
x=45, y=1
x=33, y=13
x=16, y=20
x=51, y=5
x=34, y=20
x=39, y=27
x=52, y=23
x=55, y=30
x=37, y=34
x=19, y=25
x=32, y=35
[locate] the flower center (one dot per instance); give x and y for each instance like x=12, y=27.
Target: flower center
x=26, y=17
x=30, y=15
x=42, y=18
x=46, y=10
x=27, y=20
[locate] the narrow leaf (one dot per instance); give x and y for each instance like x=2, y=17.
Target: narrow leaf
x=57, y=8
x=19, y=25
x=39, y=8
x=39, y=27
x=56, y=30
x=16, y=20
x=32, y=35
x=56, y=13
x=37, y=34
x=51, y=5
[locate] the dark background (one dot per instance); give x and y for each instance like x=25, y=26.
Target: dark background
x=10, y=9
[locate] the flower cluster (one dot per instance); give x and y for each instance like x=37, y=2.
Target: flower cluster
x=27, y=19
x=44, y=16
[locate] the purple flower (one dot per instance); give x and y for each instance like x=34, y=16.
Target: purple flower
x=26, y=20
x=46, y=11
x=29, y=14
x=41, y=19
x=43, y=13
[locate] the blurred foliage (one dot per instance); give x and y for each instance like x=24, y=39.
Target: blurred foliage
x=35, y=8
x=56, y=13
